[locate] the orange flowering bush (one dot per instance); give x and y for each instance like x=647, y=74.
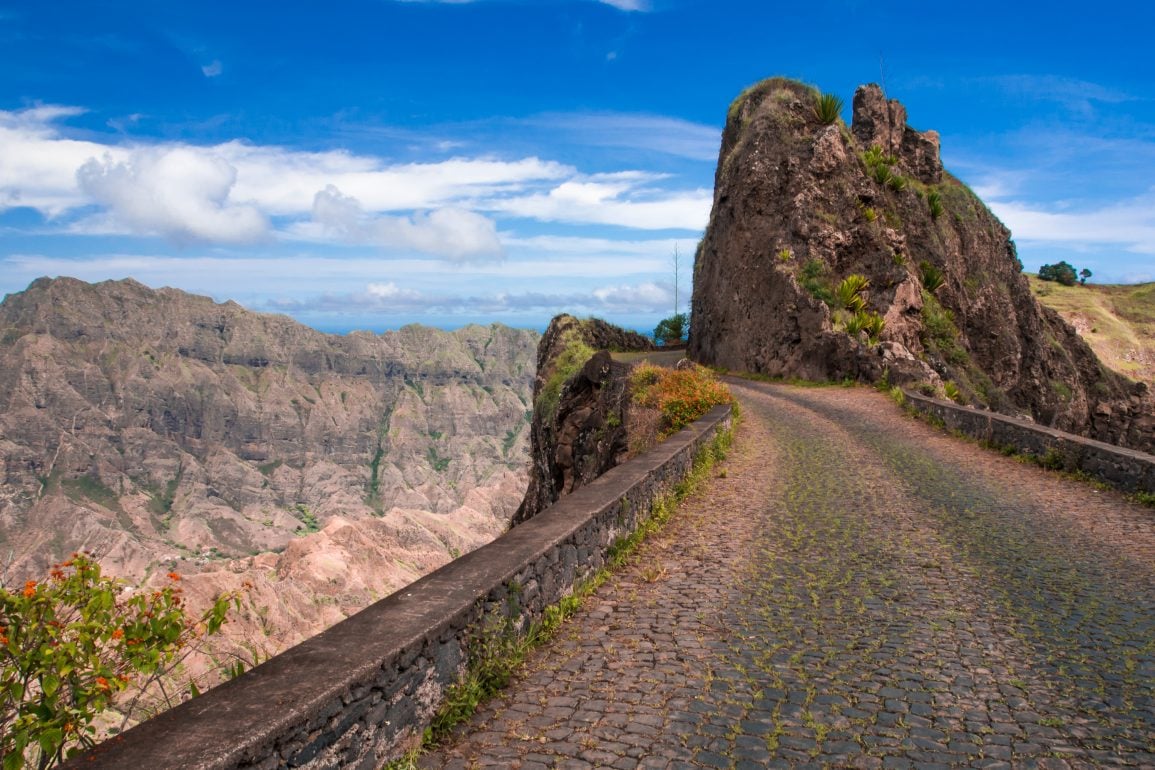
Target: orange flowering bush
x=679, y=395
x=71, y=644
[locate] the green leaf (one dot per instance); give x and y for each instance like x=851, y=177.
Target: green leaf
x=50, y=741
x=14, y=760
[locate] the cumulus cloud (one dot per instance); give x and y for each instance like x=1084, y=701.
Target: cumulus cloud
x=182, y=193
x=236, y=192
x=38, y=166
x=449, y=232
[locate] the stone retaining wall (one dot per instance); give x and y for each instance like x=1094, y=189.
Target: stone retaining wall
x=363, y=691
x=1125, y=469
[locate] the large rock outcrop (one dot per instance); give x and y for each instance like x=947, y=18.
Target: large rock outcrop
x=581, y=407
x=800, y=204
x=165, y=431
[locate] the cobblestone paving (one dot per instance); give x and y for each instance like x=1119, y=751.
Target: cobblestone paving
x=854, y=590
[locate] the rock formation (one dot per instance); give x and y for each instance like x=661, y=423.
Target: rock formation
x=800, y=204
x=580, y=408
x=164, y=431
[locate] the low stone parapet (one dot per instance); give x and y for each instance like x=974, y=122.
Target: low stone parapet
x=363, y=691
x=1124, y=469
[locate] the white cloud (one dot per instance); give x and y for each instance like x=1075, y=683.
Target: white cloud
x=213, y=68
x=449, y=232
x=613, y=203
x=644, y=297
x=37, y=167
x=231, y=192
x=1129, y=224
x=1074, y=94
x=177, y=192
x=627, y=5
x=390, y=291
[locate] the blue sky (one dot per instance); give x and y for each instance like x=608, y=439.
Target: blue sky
x=369, y=163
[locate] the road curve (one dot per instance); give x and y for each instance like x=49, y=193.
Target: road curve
x=854, y=589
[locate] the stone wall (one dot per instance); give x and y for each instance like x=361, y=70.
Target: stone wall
x=1125, y=469
x=362, y=692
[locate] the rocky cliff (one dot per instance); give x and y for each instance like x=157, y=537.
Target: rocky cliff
x=802, y=201
x=581, y=408
x=164, y=431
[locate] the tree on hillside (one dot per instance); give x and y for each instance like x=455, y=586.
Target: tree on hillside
x=1084, y=274
x=1062, y=272
x=672, y=330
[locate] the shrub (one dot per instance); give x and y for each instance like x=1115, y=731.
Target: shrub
x=680, y=395
x=939, y=332
x=785, y=254
x=827, y=108
x=69, y=645
x=814, y=280
x=932, y=277
x=896, y=182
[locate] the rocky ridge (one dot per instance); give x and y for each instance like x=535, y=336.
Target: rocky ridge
x=581, y=408
x=164, y=431
x=800, y=204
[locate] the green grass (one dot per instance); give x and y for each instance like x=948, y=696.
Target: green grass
x=574, y=355
x=92, y=489
x=1117, y=321
x=939, y=331
x=814, y=279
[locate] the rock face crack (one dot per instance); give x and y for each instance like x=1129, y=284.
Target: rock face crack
x=856, y=590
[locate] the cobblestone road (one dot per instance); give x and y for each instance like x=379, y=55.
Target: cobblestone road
x=855, y=589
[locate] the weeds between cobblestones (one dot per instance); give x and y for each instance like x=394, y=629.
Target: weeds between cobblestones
x=500, y=650
x=857, y=591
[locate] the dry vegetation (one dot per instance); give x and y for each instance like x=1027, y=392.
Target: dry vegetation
x=1117, y=321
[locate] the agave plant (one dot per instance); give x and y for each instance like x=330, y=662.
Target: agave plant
x=874, y=156
x=850, y=294
x=827, y=108
x=932, y=277
x=895, y=181
x=855, y=324
x=952, y=392
x=934, y=201
x=873, y=326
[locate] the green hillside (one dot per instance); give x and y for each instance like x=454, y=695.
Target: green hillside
x=1118, y=321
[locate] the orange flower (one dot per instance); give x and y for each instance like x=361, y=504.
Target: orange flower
x=29, y=589
x=173, y=576
x=118, y=633
x=102, y=683
x=3, y=639
x=57, y=573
